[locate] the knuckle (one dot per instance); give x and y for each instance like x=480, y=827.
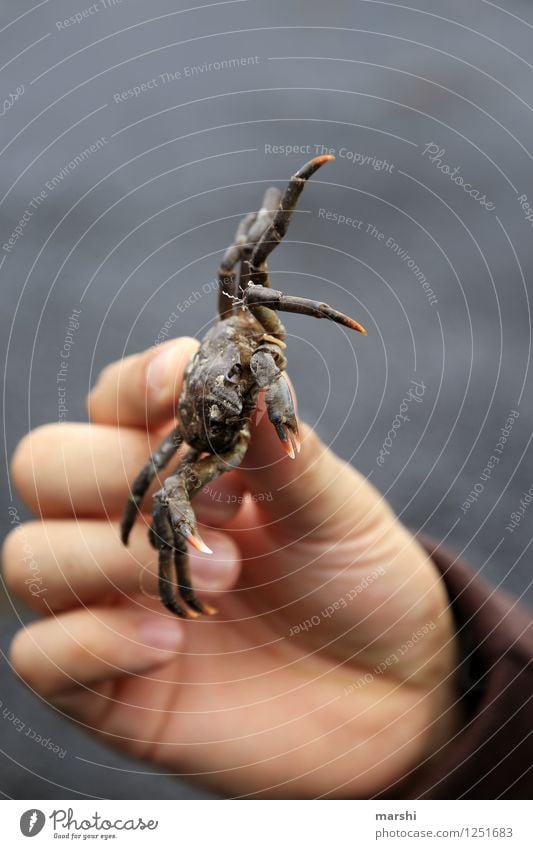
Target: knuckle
x=25, y=455
x=104, y=375
x=76, y=652
x=21, y=567
x=12, y=555
x=20, y=653
x=117, y=386
x=93, y=401
x=102, y=399
x=42, y=670
x=20, y=462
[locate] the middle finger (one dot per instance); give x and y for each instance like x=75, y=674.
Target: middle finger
x=87, y=471
x=56, y=565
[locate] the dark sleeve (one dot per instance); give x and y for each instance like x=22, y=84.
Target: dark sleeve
x=492, y=754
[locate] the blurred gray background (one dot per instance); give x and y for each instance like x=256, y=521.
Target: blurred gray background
x=194, y=109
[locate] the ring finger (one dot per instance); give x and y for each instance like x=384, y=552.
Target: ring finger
x=55, y=565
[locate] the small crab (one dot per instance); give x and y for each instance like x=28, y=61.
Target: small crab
x=241, y=355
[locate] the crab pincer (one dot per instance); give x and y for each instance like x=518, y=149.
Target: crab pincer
x=282, y=414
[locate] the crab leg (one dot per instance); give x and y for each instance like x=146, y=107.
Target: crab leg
x=155, y=464
x=248, y=232
x=256, y=271
x=280, y=222
x=269, y=207
x=259, y=296
x=227, y=280
x=265, y=216
x=162, y=538
x=174, y=522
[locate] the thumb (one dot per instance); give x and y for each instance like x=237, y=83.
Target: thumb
x=315, y=489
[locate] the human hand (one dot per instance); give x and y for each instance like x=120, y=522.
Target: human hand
x=328, y=670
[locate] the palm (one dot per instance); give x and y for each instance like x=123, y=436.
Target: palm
x=285, y=647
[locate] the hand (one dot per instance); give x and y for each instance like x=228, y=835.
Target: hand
x=329, y=668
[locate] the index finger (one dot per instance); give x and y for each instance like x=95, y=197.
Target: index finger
x=142, y=390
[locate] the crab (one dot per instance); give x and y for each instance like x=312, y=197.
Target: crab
x=242, y=355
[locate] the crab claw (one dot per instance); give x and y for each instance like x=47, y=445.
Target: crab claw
x=184, y=522
x=280, y=406
x=194, y=538
x=290, y=440
x=310, y=167
x=208, y=609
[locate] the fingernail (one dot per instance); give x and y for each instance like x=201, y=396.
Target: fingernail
x=215, y=572
x=158, y=632
x=161, y=371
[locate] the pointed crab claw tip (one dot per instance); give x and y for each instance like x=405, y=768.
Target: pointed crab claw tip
x=289, y=450
x=290, y=439
x=320, y=160
x=196, y=541
x=359, y=327
x=192, y=614
x=294, y=442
